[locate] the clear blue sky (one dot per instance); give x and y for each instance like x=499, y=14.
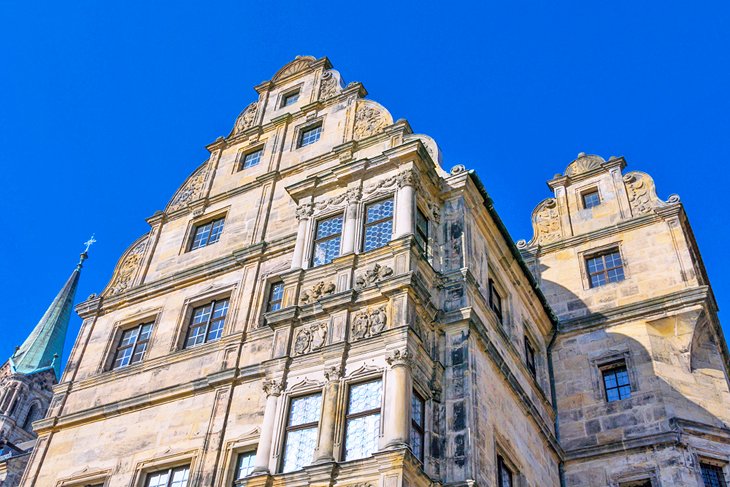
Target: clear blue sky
x=105, y=108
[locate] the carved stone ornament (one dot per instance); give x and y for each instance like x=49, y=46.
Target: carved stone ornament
x=310, y=338
x=317, y=292
x=272, y=387
x=368, y=323
x=407, y=178
x=457, y=169
x=435, y=211
x=329, y=86
x=246, y=118
x=546, y=222
x=584, y=163
x=191, y=190
x=304, y=211
x=300, y=63
x=673, y=198
x=399, y=358
x=371, y=276
x=641, y=192
x=370, y=119
x=127, y=268
x=333, y=373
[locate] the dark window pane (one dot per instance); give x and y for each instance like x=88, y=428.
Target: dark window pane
x=712, y=475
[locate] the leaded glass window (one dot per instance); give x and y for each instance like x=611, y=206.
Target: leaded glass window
x=327, y=240
x=418, y=420
x=591, y=199
x=310, y=135
x=132, y=345
x=495, y=300
x=171, y=477
x=712, y=475
x=207, y=234
x=530, y=358
x=421, y=231
x=504, y=474
x=362, y=423
x=206, y=323
x=276, y=294
x=251, y=159
x=378, y=224
x=245, y=464
x=604, y=268
x=301, y=432
x=616, y=382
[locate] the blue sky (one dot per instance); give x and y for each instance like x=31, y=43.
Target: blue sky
x=105, y=108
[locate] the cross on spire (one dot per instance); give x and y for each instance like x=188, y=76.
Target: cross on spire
x=89, y=243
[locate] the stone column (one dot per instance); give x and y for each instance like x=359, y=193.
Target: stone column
x=325, y=452
x=304, y=212
x=398, y=400
x=405, y=203
x=272, y=388
x=350, y=227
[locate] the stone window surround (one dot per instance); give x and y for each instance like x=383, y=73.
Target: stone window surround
x=225, y=292
x=99, y=477
x=195, y=222
x=262, y=301
x=285, y=93
x=189, y=457
x=119, y=327
x=504, y=449
x=608, y=360
x=243, y=444
x=635, y=476
x=244, y=151
x=579, y=191
x=584, y=255
x=505, y=322
x=304, y=126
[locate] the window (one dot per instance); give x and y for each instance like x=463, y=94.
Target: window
x=421, y=231
x=251, y=159
x=276, y=294
x=132, y=346
x=530, y=358
x=591, y=199
x=310, y=136
x=206, y=323
x=418, y=407
x=171, y=477
x=34, y=414
x=362, y=423
x=245, y=464
x=616, y=382
x=301, y=432
x=290, y=99
x=207, y=234
x=712, y=475
x=378, y=224
x=636, y=483
x=327, y=240
x=605, y=267
x=504, y=474
x=495, y=300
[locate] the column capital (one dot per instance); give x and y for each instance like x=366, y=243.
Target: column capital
x=304, y=211
x=333, y=374
x=272, y=387
x=399, y=358
x=353, y=195
x=407, y=178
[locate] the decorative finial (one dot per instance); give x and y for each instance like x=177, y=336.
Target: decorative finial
x=85, y=253
x=90, y=242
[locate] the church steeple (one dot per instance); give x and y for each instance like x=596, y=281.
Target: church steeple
x=43, y=347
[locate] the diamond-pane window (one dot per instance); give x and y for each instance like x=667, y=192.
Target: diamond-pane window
x=251, y=159
x=171, y=477
x=616, y=382
x=301, y=432
x=310, y=135
x=276, y=294
x=418, y=406
x=605, y=268
x=712, y=475
x=206, y=323
x=591, y=199
x=132, y=346
x=378, y=224
x=327, y=240
x=362, y=424
x=245, y=464
x=207, y=234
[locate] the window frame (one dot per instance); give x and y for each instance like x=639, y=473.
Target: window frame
x=362, y=414
x=133, y=346
x=237, y=465
x=530, y=357
x=270, y=301
x=499, y=309
x=502, y=465
x=288, y=428
x=288, y=94
x=602, y=253
x=191, y=316
x=611, y=368
x=366, y=225
x=316, y=240
x=590, y=192
x=170, y=470
x=419, y=429
x=309, y=128
x=419, y=234
x=208, y=221
x=246, y=153
x=716, y=466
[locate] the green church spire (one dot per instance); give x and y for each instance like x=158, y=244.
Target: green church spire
x=43, y=347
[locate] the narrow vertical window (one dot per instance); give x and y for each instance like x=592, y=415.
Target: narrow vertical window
x=245, y=464
x=310, y=135
x=421, y=231
x=530, y=358
x=616, y=382
x=327, y=240
x=418, y=407
x=251, y=159
x=132, y=346
x=171, y=477
x=591, y=199
x=34, y=414
x=362, y=423
x=378, y=224
x=605, y=267
x=495, y=300
x=206, y=323
x=712, y=475
x=301, y=432
x=504, y=474
x=276, y=294
x=207, y=234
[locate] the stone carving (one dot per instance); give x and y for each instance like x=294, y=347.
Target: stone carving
x=329, y=86
x=300, y=63
x=584, y=163
x=371, y=276
x=246, y=118
x=191, y=190
x=547, y=222
x=407, y=178
x=639, y=193
x=521, y=244
x=317, y=292
x=399, y=357
x=382, y=184
x=304, y=211
x=457, y=169
x=127, y=268
x=369, y=323
x=272, y=387
x=369, y=120
x=352, y=195
x=673, y=198
x=310, y=338
x=435, y=211
x=333, y=373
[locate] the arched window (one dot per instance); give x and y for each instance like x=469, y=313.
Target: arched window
x=34, y=414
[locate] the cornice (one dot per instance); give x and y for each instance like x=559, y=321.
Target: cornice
x=625, y=445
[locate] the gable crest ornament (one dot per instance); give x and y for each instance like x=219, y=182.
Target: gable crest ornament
x=127, y=268
x=370, y=119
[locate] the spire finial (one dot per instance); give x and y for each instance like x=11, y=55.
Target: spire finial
x=85, y=253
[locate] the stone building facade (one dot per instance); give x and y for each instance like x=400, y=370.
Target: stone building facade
x=320, y=303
